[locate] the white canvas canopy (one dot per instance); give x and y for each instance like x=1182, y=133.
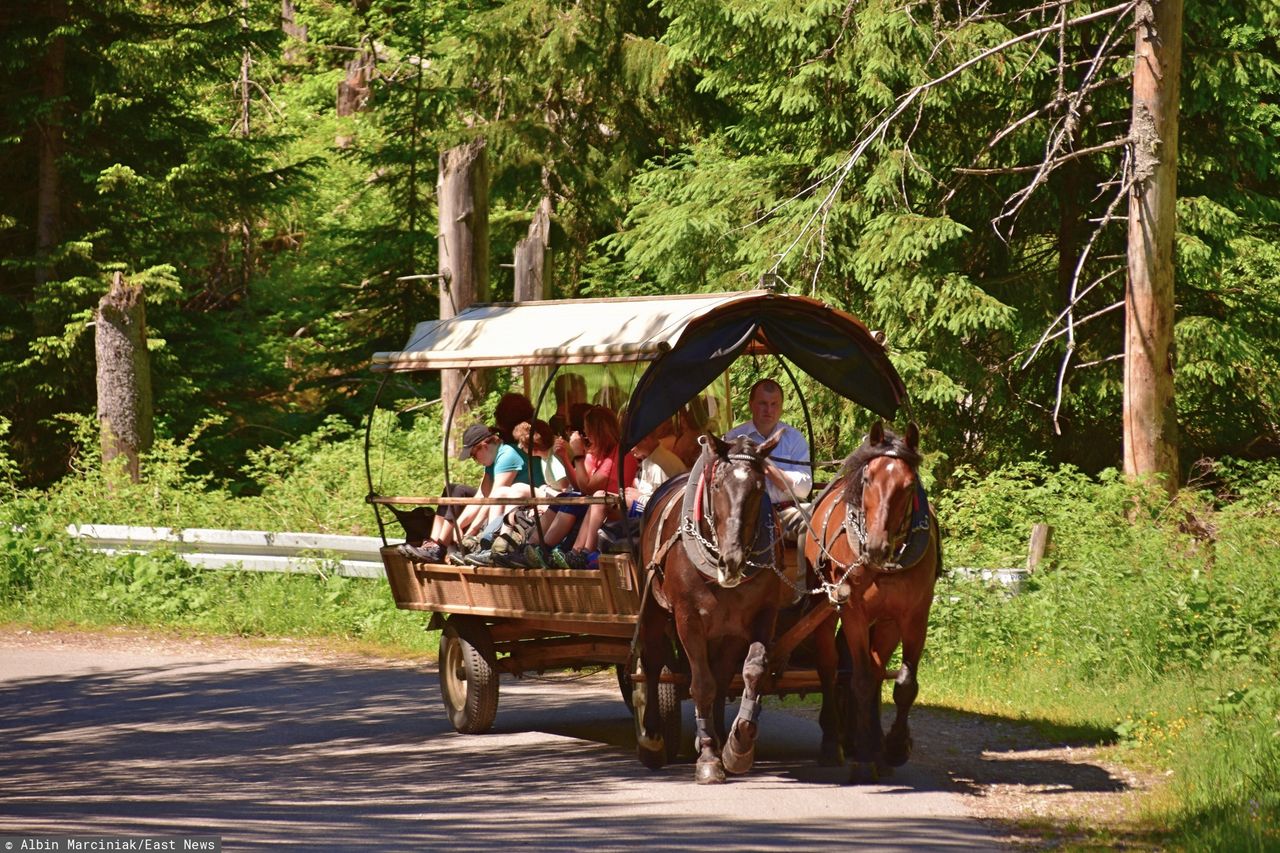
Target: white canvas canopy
x=564, y=331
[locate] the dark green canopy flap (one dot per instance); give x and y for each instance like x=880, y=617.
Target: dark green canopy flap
x=828, y=344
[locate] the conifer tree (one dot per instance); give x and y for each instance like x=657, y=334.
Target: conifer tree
x=124, y=159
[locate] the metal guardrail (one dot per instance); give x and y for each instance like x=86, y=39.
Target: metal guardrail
x=1011, y=579
x=309, y=553
x=250, y=550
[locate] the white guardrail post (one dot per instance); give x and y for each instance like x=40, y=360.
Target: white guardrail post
x=250, y=550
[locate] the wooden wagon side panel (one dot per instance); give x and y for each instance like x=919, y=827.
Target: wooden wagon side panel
x=605, y=595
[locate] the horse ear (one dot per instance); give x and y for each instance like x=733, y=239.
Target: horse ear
x=769, y=444
x=715, y=444
x=913, y=436
x=876, y=435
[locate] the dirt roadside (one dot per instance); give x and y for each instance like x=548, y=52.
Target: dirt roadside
x=1040, y=794
x=1034, y=793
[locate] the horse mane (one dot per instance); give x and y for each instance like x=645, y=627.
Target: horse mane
x=892, y=445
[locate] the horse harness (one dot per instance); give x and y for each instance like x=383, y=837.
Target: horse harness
x=703, y=553
x=918, y=522
x=696, y=507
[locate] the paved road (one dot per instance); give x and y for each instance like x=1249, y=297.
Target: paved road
x=336, y=756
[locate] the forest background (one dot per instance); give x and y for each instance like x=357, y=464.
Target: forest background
x=266, y=173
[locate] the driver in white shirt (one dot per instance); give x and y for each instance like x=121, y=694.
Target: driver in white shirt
x=789, y=475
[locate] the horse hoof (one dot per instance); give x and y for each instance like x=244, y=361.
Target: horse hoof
x=884, y=771
x=863, y=773
x=735, y=761
x=753, y=666
x=653, y=758
x=709, y=773
x=897, y=751
x=830, y=755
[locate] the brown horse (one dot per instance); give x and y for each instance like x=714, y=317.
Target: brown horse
x=876, y=550
x=713, y=576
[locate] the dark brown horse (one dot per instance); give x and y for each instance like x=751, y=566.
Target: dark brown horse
x=875, y=547
x=713, y=579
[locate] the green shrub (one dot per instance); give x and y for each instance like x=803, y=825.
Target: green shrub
x=1161, y=613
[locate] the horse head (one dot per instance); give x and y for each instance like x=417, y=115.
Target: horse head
x=880, y=493
x=734, y=471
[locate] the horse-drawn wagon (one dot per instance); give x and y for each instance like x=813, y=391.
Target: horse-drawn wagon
x=624, y=612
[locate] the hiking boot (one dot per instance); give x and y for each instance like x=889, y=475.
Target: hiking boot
x=509, y=560
x=556, y=558
x=427, y=552
x=479, y=558
x=577, y=559
x=533, y=558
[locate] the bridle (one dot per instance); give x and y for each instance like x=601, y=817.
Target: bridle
x=854, y=527
x=707, y=551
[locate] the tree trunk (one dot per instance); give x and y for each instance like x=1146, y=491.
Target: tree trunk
x=353, y=92
x=246, y=102
x=296, y=34
x=533, y=257
x=124, y=375
x=415, y=149
x=462, y=191
x=48, y=178
x=1150, y=417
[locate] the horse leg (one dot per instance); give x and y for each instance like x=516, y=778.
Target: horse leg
x=724, y=655
x=740, y=746
x=830, y=718
x=864, y=734
x=653, y=642
x=897, y=746
x=702, y=690
x=885, y=637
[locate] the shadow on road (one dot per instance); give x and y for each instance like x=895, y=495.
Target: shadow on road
x=353, y=758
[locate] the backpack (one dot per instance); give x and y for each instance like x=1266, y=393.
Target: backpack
x=517, y=527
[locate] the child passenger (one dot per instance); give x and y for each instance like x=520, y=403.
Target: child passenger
x=590, y=461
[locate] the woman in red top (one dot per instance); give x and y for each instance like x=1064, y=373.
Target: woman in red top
x=590, y=461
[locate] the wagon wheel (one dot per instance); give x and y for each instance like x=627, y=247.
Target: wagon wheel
x=672, y=718
x=468, y=675
x=668, y=706
x=624, y=686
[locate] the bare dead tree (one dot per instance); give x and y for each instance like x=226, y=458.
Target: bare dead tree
x=462, y=195
x=533, y=257
x=1150, y=418
x=124, y=375
x=1143, y=175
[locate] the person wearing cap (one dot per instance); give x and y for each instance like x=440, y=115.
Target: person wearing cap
x=503, y=466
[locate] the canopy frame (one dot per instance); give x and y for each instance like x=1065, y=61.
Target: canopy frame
x=693, y=339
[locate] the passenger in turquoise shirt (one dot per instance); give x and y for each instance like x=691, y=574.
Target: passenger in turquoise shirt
x=508, y=459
